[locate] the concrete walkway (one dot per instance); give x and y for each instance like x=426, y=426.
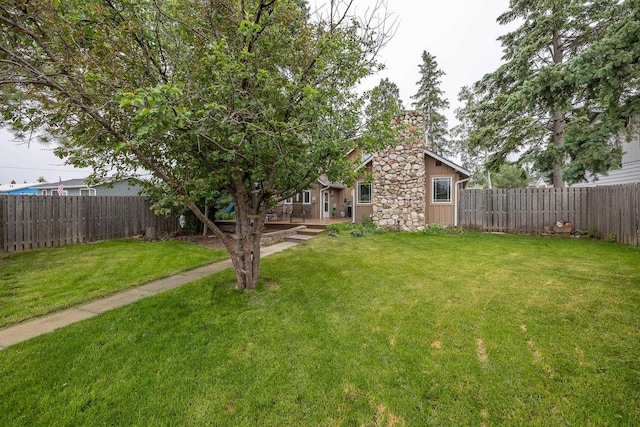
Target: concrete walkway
x=42, y=325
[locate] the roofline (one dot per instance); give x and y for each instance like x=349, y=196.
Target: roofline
x=13, y=187
x=448, y=162
x=363, y=164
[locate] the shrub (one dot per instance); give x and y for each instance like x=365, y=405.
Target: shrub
x=355, y=230
x=441, y=229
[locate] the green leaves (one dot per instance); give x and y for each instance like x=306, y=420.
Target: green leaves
x=249, y=97
x=564, y=60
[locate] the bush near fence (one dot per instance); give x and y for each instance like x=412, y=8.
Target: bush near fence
x=611, y=212
x=30, y=222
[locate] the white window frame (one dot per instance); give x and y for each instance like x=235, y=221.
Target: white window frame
x=92, y=191
x=304, y=196
x=359, y=193
x=434, y=194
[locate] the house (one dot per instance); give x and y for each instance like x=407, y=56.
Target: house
x=78, y=187
x=539, y=183
x=411, y=186
x=629, y=172
x=18, y=189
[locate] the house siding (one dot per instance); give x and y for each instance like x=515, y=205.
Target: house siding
x=440, y=213
x=75, y=187
x=629, y=173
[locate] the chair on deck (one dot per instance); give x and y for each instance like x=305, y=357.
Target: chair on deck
x=297, y=211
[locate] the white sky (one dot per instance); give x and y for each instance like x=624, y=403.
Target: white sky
x=460, y=33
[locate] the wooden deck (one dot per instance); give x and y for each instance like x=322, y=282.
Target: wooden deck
x=310, y=221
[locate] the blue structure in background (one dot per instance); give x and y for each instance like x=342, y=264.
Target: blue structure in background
x=18, y=189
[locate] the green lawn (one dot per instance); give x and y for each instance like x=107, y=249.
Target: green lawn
x=38, y=282
x=393, y=329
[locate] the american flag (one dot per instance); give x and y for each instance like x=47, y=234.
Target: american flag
x=60, y=187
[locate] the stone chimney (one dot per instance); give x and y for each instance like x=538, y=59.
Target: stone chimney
x=399, y=189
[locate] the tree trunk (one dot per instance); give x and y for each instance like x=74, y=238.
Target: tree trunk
x=206, y=213
x=251, y=214
x=244, y=250
x=558, y=120
x=246, y=259
x=558, y=142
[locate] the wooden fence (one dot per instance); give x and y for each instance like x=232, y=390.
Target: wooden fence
x=608, y=210
x=30, y=222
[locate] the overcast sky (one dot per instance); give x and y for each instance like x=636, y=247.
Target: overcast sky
x=460, y=33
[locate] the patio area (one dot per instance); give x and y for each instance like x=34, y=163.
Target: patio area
x=306, y=221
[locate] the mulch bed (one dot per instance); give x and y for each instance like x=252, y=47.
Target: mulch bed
x=208, y=241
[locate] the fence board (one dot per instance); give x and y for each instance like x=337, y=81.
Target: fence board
x=610, y=209
x=28, y=222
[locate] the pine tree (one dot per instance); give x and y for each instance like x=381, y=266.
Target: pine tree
x=430, y=99
x=384, y=97
x=525, y=108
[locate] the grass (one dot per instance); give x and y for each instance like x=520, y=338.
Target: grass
x=38, y=282
x=392, y=329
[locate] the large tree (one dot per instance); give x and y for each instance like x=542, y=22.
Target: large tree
x=384, y=97
x=606, y=78
x=250, y=97
x=383, y=103
x=430, y=99
x=512, y=115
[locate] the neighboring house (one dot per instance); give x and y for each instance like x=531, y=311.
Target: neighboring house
x=78, y=187
x=18, y=189
x=629, y=172
x=411, y=186
x=540, y=183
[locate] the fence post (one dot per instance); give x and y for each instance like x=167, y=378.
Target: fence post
x=3, y=224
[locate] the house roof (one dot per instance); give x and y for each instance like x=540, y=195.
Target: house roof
x=69, y=183
x=364, y=163
x=13, y=187
x=324, y=181
x=449, y=163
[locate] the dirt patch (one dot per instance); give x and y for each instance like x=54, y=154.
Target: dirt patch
x=481, y=350
x=538, y=359
x=436, y=344
x=208, y=241
x=523, y=327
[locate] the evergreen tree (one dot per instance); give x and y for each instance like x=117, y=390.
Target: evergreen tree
x=523, y=108
x=430, y=99
x=384, y=98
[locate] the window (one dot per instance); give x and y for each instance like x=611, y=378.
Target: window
x=304, y=197
x=364, y=192
x=87, y=191
x=366, y=156
x=442, y=190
